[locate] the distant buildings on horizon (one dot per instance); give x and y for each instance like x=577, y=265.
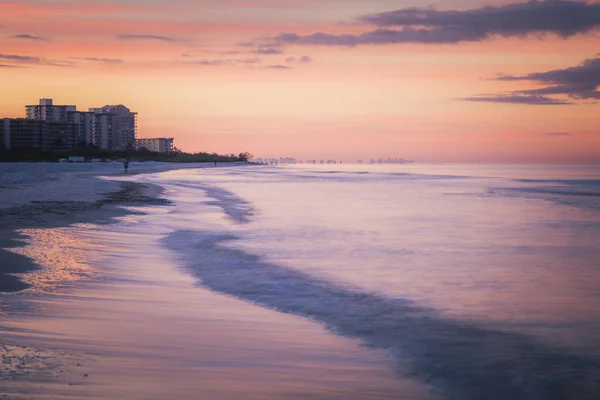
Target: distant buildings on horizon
x=290, y=160
x=159, y=145
x=388, y=161
x=48, y=126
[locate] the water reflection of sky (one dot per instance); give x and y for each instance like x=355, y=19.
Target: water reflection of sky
x=60, y=254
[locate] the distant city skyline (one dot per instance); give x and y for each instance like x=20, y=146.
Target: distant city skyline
x=442, y=81
x=292, y=160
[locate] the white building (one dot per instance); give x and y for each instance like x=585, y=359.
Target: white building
x=114, y=127
x=159, y=145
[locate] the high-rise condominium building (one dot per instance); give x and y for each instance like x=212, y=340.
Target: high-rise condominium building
x=51, y=113
x=114, y=127
x=49, y=126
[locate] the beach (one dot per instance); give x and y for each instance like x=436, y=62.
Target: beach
x=324, y=282
x=46, y=195
x=137, y=328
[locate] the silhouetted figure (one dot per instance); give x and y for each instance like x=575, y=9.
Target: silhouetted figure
x=215, y=163
x=126, y=165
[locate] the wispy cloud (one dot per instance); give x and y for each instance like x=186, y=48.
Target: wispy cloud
x=211, y=63
x=579, y=82
x=564, y=18
x=219, y=62
x=21, y=59
x=99, y=60
x=146, y=37
x=268, y=51
x=29, y=37
x=254, y=60
x=557, y=134
x=535, y=100
x=305, y=60
x=301, y=60
x=278, y=66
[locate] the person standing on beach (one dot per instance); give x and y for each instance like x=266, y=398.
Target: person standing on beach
x=126, y=164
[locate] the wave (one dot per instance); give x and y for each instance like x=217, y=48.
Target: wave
x=345, y=176
x=575, y=195
x=236, y=208
x=458, y=359
x=340, y=172
x=591, y=182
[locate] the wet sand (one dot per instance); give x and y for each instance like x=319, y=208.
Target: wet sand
x=53, y=195
x=143, y=330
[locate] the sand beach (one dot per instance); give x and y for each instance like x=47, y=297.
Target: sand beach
x=45, y=195
x=94, y=307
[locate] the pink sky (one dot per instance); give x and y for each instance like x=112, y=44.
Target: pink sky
x=419, y=83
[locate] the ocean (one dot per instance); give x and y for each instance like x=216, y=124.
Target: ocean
x=343, y=281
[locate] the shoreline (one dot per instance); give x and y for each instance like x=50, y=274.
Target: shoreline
x=145, y=329
x=94, y=200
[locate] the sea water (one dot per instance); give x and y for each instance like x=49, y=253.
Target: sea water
x=335, y=282
x=481, y=281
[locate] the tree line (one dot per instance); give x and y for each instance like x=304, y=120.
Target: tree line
x=92, y=152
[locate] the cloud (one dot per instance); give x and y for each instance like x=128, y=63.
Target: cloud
x=305, y=60
x=29, y=37
x=99, y=60
x=564, y=18
x=301, y=60
x=10, y=66
x=21, y=59
x=561, y=17
x=267, y=51
x=229, y=52
x=576, y=83
x=579, y=82
x=557, y=134
x=278, y=66
x=145, y=37
x=219, y=62
x=254, y=60
x=211, y=63
x=535, y=100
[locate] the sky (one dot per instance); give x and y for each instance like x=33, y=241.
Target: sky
x=432, y=81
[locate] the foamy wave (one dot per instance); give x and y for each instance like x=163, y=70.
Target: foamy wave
x=235, y=207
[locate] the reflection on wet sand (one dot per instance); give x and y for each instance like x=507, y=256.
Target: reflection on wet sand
x=60, y=254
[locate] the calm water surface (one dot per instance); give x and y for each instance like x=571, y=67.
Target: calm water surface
x=482, y=281
x=459, y=281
